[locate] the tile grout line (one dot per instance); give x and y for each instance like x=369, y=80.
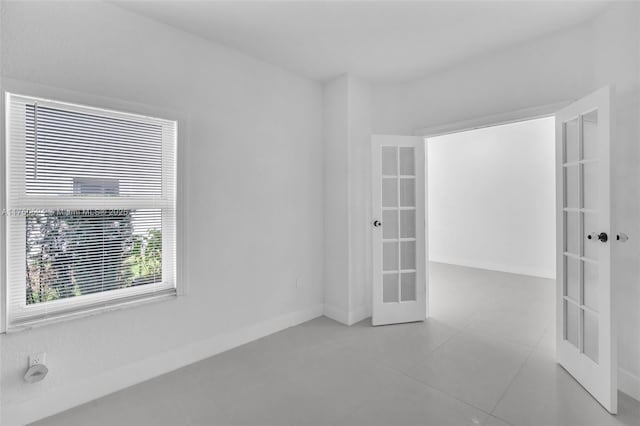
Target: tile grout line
x=427, y=385
x=501, y=419
x=457, y=332
x=391, y=369
x=440, y=391
x=507, y=340
x=335, y=340
x=404, y=374
x=531, y=352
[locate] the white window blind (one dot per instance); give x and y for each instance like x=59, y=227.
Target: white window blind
x=90, y=209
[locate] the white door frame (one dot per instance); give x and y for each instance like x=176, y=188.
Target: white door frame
x=516, y=116
x=525, y=114
x=456, y=127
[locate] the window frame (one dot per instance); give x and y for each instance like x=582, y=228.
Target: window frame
x=99, y=102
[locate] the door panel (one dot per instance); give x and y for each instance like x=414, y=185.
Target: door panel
x=586, y=345
x=399, y=240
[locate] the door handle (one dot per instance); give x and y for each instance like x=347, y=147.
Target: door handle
x=377, y=223
x=623, y=238
x=602, y=237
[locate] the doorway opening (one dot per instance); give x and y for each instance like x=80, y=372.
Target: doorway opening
x=492, y=230
x=502, y=293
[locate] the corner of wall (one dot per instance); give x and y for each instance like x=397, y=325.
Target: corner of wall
x=347, y=127
x=112, y=381
x=629, y=384
x=336, y=314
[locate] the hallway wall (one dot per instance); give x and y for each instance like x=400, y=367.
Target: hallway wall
x=492, y=198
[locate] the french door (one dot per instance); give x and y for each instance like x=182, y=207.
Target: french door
x=399, y=229
x=586, y=345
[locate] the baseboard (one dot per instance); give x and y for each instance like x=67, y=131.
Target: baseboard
x=98, y=386
x=629, y=383
x=511, y=269
x=344, y=317
x=358, y=314
x=336, y=314
x=103, y=384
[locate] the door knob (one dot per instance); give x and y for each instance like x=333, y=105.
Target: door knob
x=377, y=223
x=602, y=237
x=623, y=238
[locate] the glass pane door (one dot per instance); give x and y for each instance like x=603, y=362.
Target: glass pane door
x=398, y=224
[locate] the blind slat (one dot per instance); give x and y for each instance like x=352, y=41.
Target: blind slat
x=91, y=198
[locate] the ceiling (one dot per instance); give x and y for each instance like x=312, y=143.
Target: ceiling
x=383, y=41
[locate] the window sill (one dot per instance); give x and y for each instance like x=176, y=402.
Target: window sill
x=87, y=311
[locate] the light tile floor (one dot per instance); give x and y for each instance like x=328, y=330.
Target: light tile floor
x=484, y=358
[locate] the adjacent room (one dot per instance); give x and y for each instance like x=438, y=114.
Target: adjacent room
x=319, y=213
x=492, y=230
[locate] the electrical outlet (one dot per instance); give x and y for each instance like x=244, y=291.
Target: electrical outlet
x=299, y=282
x=39, y=358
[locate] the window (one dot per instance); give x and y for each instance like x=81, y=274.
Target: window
x=91, y=209
x=93, y=186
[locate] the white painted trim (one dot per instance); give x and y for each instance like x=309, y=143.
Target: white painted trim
x=629, y=383
x=336, y=314
x=36, y=90
x=74, y=97
x=511, y=269
x=346, y=317
x=3, y=218
x=111, y=381
x=358, y=314
x=492, y=120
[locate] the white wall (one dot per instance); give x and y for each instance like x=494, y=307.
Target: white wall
x=336, y=198
x=360, y=271
x=617, y=60
x=253, y=186
x=347, y=127
x=492, y=198
x=556, y=68
x=255, y=137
